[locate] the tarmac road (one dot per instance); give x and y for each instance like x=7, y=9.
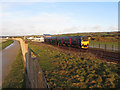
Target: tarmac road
x=8, y=55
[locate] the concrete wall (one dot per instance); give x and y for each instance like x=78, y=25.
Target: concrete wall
x=24, y=47
x=34, y=76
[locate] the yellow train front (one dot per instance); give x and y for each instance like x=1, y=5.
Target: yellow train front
x=84, y=42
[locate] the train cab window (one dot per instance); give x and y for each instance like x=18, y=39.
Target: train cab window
x=84, y=39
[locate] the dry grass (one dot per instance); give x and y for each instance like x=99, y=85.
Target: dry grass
x=71, y=69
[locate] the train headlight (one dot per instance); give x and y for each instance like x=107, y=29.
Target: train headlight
x=82, y=44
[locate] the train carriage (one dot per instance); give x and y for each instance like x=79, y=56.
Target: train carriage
x=77, y=41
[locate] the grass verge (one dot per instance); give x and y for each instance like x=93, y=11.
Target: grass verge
x=112, y=46
x=15, y=77
x=107, y=43
x=5, y=44
x=76, y=70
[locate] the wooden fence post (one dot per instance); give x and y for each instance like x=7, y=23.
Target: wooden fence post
x=105, y=46
x=99, y=45
x=112, y=47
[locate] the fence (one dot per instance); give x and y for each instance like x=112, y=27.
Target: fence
x=34, y=77
x=106, y=46
x=34, y=74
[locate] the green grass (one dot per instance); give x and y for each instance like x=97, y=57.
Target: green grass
x=109, y=45
x=44, y=57
x=81, y=70
x=15, y=77
x=5, y=44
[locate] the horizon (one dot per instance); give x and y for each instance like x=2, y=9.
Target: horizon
x=55, y=34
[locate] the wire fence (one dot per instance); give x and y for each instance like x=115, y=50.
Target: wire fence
x=111, y=47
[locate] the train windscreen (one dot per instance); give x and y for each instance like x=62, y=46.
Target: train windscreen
x=85, y=38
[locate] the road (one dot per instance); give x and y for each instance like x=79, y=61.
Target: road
x=8, y=55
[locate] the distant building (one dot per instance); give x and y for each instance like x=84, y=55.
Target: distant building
x=46, y=34
x=30, y=38
x=41, y=39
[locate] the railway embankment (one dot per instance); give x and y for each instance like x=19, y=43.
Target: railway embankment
x=71, y=67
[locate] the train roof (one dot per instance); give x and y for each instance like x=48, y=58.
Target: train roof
x=51, y=37
x=70, y=36
x=64, y=37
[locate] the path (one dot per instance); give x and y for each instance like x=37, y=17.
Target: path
x=8, y=55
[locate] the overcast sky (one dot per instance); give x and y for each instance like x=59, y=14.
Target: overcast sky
x=36, y=18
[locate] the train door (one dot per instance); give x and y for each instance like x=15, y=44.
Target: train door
x=61, y=41
x=70, y=41
x=56, y=41
x=79, y=42
x=51, y=41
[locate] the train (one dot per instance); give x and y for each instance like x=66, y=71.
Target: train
x=75, y=41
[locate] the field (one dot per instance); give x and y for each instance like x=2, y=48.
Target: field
x=109, y=45
x=15, y=78
x=75, y=69
x=5, y=44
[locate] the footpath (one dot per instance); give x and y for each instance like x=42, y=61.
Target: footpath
x=7, y=55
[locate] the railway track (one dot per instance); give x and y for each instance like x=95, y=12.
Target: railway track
x=102, y=54
x=106, y=55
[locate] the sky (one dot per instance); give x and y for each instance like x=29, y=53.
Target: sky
x=37, y=18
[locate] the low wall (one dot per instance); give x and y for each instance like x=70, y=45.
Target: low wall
x=34, y=76
x=24, y=48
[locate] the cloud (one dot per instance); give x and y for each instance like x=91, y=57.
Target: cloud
x=7, y=14
x=79, y=29
x=22, y=22
x=39, y=24
x=96, y=28
x=70, y=29
x=113, y=28
x=52, y=23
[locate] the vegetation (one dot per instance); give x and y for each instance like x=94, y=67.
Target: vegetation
x=107, y=43
x=15, y=78
x=98, y=36
x=114, y=46
x=76, y=70
x=5, y=44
